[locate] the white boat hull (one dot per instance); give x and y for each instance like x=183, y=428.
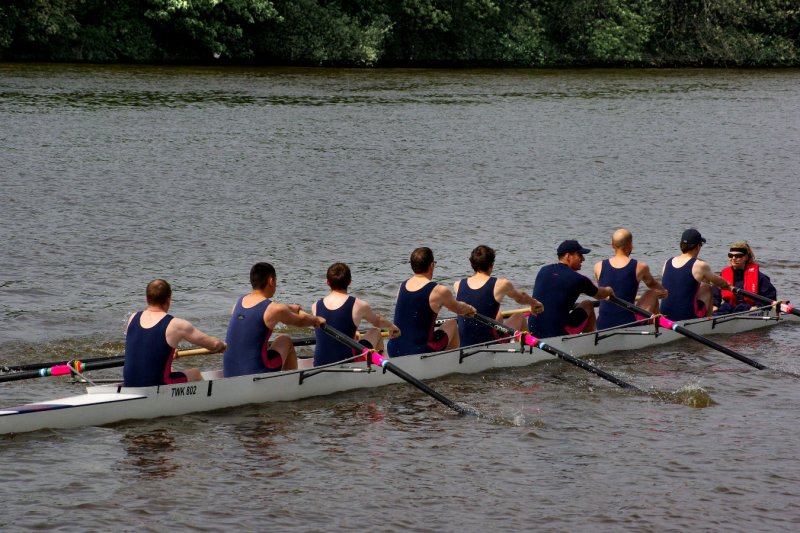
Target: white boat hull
x=112, y=403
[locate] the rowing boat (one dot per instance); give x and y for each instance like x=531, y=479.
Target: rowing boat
x=105, y=404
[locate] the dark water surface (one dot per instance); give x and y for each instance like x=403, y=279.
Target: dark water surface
x=112, y=176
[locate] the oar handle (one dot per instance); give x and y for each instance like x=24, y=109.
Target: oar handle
x=677, y=328
x=785, y=308
x=530, y=340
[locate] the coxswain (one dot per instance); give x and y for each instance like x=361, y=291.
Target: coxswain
x=252, y=322
x=623, y=274
x=418, y=303
x=152, y=339
x=485, y=293
x=743, y=273
x=686, y=277
x=345, y=313
x=558, y=287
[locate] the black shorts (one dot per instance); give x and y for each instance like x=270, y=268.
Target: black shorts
x=366, y=344
x=273, y=360
x=576, y=320
x=439, y=341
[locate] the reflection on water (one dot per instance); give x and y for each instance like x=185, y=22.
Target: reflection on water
x=149, y=454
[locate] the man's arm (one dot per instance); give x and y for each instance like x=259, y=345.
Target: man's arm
x=702, y=272
x=180, y=329
x=363, y=311
x=598, y=268
x=603, y=293
x=291, y=315
x=649, y=281
x=506, y=288
x=441, y=296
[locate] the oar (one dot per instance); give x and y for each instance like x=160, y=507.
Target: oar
x=384, y=363
x=65, y=369
x=786, y=308
x=530, y=340
x=669, y=324
x=300, y=341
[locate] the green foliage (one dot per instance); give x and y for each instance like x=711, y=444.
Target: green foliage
x=729, y=32
x=209, y=28
x=308, y=32
x=42, y=29
x=405, y=32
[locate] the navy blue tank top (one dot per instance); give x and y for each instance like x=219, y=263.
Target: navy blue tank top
x=623, y=281
x=470, y=331
x=681, y=302
x=329, y=350
x=148, y=357
x=557, y=286
x=247, y=340
x=416, y=320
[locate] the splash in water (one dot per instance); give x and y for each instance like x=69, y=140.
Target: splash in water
x=692, y=395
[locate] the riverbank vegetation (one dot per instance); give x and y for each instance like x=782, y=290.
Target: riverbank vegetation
x=528, y=33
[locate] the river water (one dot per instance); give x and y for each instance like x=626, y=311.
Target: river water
x=112, y=176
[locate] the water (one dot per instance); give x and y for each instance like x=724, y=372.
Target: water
x=112, y=176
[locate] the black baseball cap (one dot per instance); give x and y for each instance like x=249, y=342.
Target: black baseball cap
x=692, y=236
x=571, y=246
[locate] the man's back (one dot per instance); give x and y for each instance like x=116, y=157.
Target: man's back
x=624, y=281
x=557, y=287
x=414, y=316
x=147, y=354
x=482, y=298
x=679, y=280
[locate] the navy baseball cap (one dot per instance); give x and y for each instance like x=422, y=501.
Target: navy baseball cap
x=692, y=236
x=571, y=246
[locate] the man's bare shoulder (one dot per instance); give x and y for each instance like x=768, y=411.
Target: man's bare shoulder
x=180, y=325
x=441, y=290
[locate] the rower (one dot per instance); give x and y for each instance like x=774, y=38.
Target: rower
x=345, y=313
x=624, y=274
x=558, y=286
x=418, y=303
x=485, y=293
x=253, y=320
x=683, y=276
x=152, y=338
x=744, y=273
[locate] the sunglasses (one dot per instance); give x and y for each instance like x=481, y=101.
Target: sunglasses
x=736, y=256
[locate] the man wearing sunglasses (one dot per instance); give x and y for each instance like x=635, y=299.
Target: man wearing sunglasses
x=743, y=272
x=683, y=276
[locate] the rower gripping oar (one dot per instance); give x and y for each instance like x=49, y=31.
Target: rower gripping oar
x=785, y=308
x=384, y=363
x=530, y=340
x=677, y=328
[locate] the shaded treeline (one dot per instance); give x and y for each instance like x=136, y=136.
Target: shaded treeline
x=405, y=32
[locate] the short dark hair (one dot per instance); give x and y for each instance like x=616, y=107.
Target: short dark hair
x=421, y=259
x=482, y=258
x=158, y=292
x=686, y=247
x=260, y=275
x=339, y=276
